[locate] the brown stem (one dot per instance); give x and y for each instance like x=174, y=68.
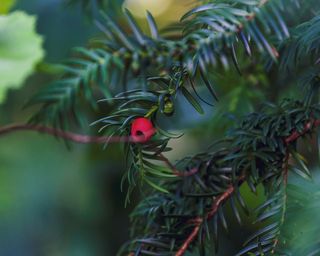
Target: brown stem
x=198, y=221
x=191, y=237
x=220, y=199
x=295, y=135
x=84, y=139
x=175, y=171
x=78, y=138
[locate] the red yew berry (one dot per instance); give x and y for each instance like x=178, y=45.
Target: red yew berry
x=142, y=130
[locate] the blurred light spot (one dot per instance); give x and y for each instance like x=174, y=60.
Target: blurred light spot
x=139, y=7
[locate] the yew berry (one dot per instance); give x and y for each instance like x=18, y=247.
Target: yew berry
x=142, y=130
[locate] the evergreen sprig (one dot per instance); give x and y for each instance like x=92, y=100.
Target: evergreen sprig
x=143, y=74
x=302, y=47
x=208, y=36
x=257, y=152
x=303, y=205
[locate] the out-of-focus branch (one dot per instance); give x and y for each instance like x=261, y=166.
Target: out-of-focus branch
x=78, y=138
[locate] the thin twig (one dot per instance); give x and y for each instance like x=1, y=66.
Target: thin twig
x=198, y=221
x=191, y=237
x=78, y=138
x=175, y=170
x=295, y=135
x=86, y=139
x=220, y=199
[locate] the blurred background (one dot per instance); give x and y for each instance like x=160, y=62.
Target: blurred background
x=60, y=201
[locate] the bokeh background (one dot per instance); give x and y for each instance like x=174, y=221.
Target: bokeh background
x=65, y=200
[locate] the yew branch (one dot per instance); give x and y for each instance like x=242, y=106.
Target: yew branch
x=308, y=127
x=85, y=139
x=198, y=221
x=78, y=138
x=175, y=170
x=220, y=199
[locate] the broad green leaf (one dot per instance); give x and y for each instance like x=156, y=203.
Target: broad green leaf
x=20, y=49
x=5, y=5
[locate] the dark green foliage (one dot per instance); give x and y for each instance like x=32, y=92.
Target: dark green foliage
x=210, y=36
x=143, y=75
x=302, y=46
x=256, y=152
x=84, y=74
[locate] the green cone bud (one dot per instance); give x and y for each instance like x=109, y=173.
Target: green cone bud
x=166, y=104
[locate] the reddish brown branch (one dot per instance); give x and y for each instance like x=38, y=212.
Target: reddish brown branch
x=295, y=135
x=78, y=138
x=174, y=169
x=198, y=221
x=84, y=139
x=220, y=199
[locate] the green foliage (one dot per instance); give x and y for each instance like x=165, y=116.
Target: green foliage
x=300, y=232
x=20, y=50
x=89, y=72
x=255, y=150
x=303, y=46
x=210, y=36
x=184, y=204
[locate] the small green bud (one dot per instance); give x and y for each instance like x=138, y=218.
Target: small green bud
x=166, y=104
